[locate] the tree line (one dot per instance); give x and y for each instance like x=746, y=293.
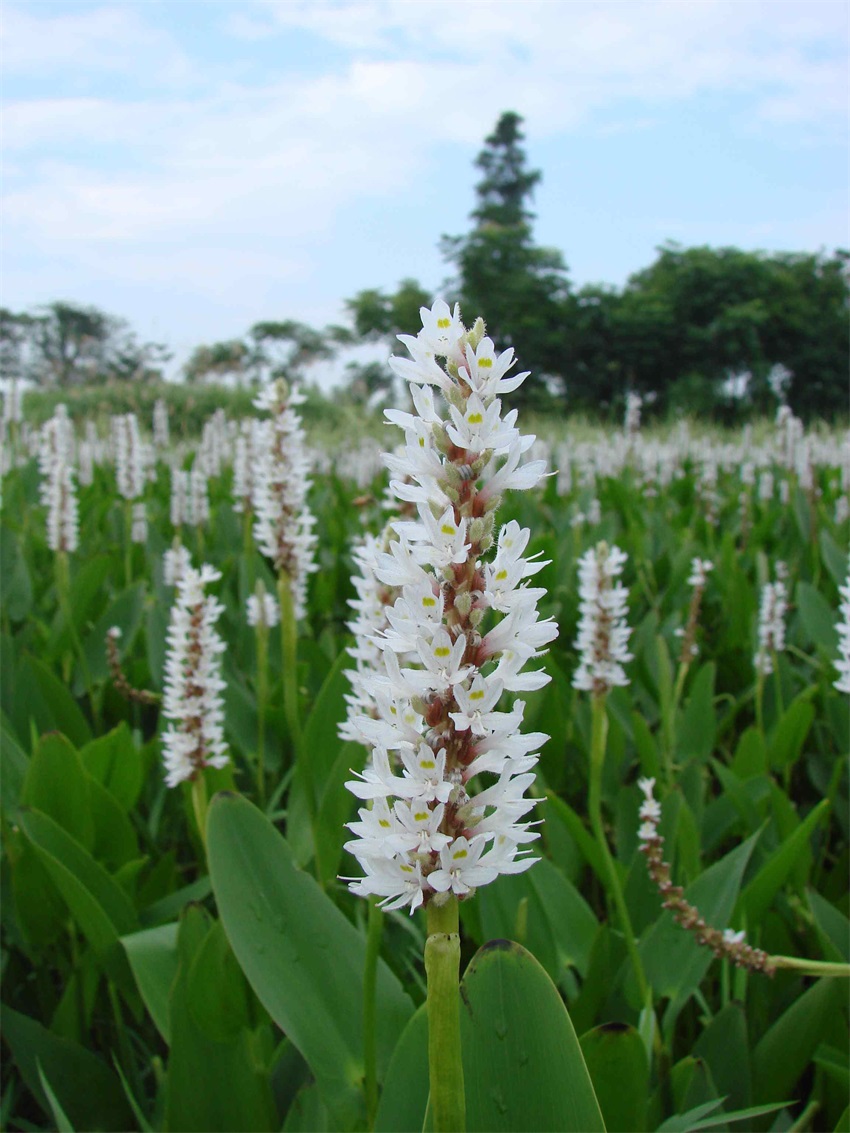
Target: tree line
x=720, y=332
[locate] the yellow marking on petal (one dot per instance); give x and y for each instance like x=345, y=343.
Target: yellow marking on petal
x=427, y=764
x=447, y=529
x=406, y=868
x=422, y=442
x=458, y=854
x=475, y=418
x=477, y=695
x=383, y=822
x=422, y=815
x=429, y=602
x=485, y=363
x=444, y=323
x=501, y=575
x=442, y=651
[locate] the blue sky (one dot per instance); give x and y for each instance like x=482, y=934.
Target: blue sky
x=198, y=165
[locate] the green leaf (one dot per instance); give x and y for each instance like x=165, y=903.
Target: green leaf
x=153, y=960
x=697, y=1118
x=320, y=741
x=404, y=1097
x=60, y=1118
x=789, y=735
x=543, y=911
x=335, y=809
x=99, y=905
x=48, y=703
x=834, y=558
x=15, y=583
x=698, y=727
x=14, y=764
x=87, y=1090
x=116, y=763
x=724, y=1044
x=832, y=925
x=216, y=992
x=216, y=1084
x=750, y=757
x=585, y=841
x=57, y=784
x=817, y=618
x=783, y=1053
x=619, y=1069
x=126, y=613
x=301, y=955
x=523, y=1066
x=758, y=894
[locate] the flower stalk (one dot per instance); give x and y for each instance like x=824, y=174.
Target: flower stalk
x=442, y=966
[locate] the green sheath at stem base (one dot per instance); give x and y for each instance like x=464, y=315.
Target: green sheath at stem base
x=442, y=967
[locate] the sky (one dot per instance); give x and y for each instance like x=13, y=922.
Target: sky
x=196, y=166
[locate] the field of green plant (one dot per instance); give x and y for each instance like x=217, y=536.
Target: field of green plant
x=192, y=957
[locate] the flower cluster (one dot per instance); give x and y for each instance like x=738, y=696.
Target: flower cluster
x=129, y=458
x=434, y=665
x=602, y=631
x=262, y=609
x=58, y=491
x=283, y=527
x=728, y=943
x=193, y=685
x=771, y=628
x=842, y=664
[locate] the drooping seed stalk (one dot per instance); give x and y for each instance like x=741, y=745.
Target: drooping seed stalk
x=442, y=967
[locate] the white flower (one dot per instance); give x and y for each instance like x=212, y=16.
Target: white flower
x=443, y=631
x=262, y=609
x=129, y=461
x=175, y=562
x=139, y=528
x=771, y=626
x=58, y=491
x=283, y=527
x=602, y=631
x=193, y=686
x=699, y=572
x=842, y=663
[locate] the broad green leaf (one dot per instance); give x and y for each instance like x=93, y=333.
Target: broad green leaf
x=832, y=925
x=783, y=1053
x=543, y=911
x=335, y=809
x=790, y=733
x=817, y=618
x=750, y=757
x=116, y=763
x=98, y=904
x=60, y=1118
x=301, y=955
x=724, y=1044
x=15, y=582
x=216, y=992
x=126, y=613
x=758, y=894
x=834, y=558
x=698, y=727
x=153, y=960
x=84, y=1085
x=57, y=785
x=585, y=841
x=212, y=1083
x=404, y=1098
x=523, y=1066
x=48, y=703
x=320, y=741
x=650, y=762
x=619, y=1069
x=14, y=764
x=115, y=841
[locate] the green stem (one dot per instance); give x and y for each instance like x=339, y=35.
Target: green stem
x=370, y=1044
x=599, y=735
x=289, y=646
x=262, y=693
x=442, y=967
x=811, y=967
x=128, y=542
x=123, y=1040
x=199, y=805
x=248, y=545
